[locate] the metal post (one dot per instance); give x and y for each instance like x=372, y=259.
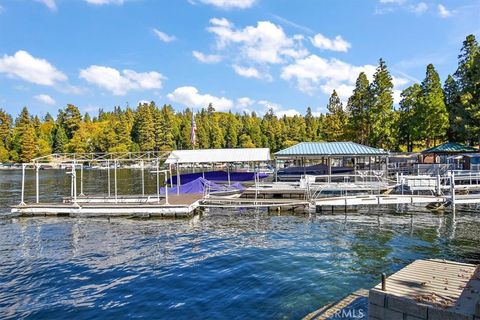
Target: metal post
x=438, y=185
x=22, y=203
x=166, y=188
x=158, y=181
x=170, y=171
x=329, y=169
x=108, y=176
x=71, y=183
x=74, y=181
x=81, y=180
x=37, y=169
x=115, y=178
x=384, y=282
x=178, y=179
x=143, y=178
x=228, y=173
x=452, y=188
x=276, y=170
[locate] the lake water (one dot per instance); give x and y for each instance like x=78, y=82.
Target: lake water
x=224, y=264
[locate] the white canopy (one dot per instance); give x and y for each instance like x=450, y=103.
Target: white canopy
x=219, y=155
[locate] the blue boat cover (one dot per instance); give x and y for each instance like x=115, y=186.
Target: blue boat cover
x=199, y=185
x=218, y=176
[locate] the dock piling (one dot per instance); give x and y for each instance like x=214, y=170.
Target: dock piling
x=22, y=202
x=115, y=179
x=384, y=282
x=37, y=169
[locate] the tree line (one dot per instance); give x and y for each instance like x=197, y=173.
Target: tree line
x=428, y=113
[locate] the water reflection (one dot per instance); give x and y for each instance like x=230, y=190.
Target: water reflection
x=223, y=264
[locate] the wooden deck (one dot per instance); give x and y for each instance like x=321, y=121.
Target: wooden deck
x=354, y=306
x=429, y=289
x=178, y=206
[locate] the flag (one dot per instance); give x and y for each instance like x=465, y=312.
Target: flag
x=193, y=135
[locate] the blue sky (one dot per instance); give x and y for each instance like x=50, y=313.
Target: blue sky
x=238, y=54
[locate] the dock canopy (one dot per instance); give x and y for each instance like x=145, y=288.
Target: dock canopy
x=450, y=148
x=219, y=155
x=329, y=149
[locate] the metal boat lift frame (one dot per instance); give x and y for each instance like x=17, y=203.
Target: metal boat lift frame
x=77, y=160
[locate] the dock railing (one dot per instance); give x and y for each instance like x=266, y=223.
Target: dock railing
x=363, y=180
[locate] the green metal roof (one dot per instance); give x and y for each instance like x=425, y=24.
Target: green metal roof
x=450, y=147
x=330, y=149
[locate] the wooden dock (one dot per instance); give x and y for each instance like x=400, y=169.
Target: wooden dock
x=178, y=206
x=429, y=290
x=353, y=306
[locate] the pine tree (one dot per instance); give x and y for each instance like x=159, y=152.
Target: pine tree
x=380, y=112
x=432, y=113
x=5, y=127
x=23, y=119
x=144, y=127
x=358, y=107
x=456, y=113
x=311, y=126
x=60, y=140
x=335, y=121
x=71, y=120
x=409, y=122
x=467, y=84
x=28, y=144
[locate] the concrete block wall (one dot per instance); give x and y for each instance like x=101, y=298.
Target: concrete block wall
x=382, y=306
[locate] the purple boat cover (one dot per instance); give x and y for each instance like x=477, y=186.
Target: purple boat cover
x=199, y=185
x=218, y=176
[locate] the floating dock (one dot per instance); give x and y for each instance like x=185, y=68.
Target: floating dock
x=428, y=290
x=353, y=306
x=424, y=290
x=177, y=207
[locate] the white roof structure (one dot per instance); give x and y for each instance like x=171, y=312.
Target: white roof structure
x=219, y=155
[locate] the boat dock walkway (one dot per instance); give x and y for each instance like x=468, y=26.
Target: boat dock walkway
x=353, y=306
x=178, y=206
x=424, y=290
x=428, y=290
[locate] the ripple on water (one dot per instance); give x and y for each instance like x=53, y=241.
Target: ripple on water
x=224, y=265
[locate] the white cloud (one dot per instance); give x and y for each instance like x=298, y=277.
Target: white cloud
x=101, y=2
x=26, y=67
x=206, y=58
x=230, y=4
x=46, y=99
x=420, y=8
x=313, y=71
x=190, y=97
x=337, y=44
x=141, y=102
x=250, y=72
x=163, y=36
x=443, y=12
x=119, y=83
x=50, y=4
x=264, y=43
x=244, y=102
x=287, y=112
x=277, y=109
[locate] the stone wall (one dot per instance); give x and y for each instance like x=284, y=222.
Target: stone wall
x=382, y=306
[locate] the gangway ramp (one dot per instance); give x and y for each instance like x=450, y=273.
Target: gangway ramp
x=378, y=200
x=226, y=202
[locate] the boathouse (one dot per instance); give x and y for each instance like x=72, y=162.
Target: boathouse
x=334, y=157
x=440, y=153
x=212, y=157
